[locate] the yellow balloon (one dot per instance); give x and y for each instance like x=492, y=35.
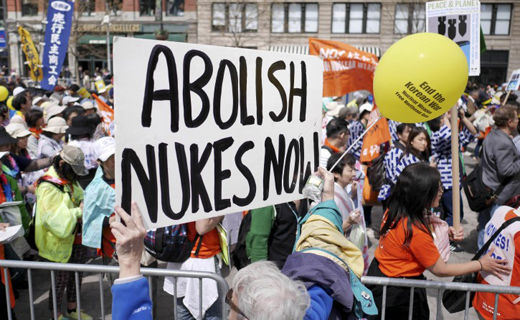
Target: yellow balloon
x=419, y=78
x=10, y=102
x=4, y=93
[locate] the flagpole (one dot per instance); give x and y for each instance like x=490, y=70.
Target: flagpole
x=353, y=143
x=455, y=201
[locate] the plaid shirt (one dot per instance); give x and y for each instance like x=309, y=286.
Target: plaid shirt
x=392, y=159
x=441, y=150
x=356, y=129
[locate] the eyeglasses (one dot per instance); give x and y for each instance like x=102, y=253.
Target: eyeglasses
x=234, y=307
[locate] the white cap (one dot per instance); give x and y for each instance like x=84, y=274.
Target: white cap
x=87, y=105
x=17, y=130
x=53, y=110
x=38, y=99
x=17, y=120
x=365, y=107
x=105, y=147
x=68, y=99
x=18, y=90
x=333, y=108
x=56, y=125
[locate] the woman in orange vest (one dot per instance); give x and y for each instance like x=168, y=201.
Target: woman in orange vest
x=3, y=306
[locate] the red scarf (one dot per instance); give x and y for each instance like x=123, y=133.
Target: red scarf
x=333, y=148
x=36, y=132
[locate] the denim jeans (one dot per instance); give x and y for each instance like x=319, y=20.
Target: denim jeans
x=213, y=313
x=447, y=206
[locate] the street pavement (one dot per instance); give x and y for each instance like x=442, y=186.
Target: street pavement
x=90, y=292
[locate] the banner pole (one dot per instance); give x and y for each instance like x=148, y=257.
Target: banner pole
x=455, y=167
x=353, y=143
x=507, y=97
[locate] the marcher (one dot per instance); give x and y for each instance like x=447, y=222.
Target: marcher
x=51, y=139
x=406, y=247
x=59, y=210
x=500, y=163
x=392, y=158
x=506, y=247
x=337, y=136
x=357, y=128
x=204, y=257
x=100, y=199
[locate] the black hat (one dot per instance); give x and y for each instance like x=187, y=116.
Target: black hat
x=73, y=87
x=79, y=126
x=5, y=138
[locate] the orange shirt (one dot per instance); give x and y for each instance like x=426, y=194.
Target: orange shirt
x=210, y=245
x=396, y=260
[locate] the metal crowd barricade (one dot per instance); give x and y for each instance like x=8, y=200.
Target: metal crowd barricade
x=222, y=285
x=440, y=286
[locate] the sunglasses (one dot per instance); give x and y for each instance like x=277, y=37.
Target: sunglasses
x=234, y=307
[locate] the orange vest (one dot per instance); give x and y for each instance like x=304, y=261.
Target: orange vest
x=506, y=246
x=11, y=293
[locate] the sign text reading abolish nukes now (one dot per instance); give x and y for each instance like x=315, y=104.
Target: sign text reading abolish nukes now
x=203, y=131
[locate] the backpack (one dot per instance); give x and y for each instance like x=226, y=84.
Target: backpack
x=479, y=196
x=171, y=244
x=239, y=256
x=376, y=172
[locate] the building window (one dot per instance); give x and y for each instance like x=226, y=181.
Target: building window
x=29, y=8
x=115, y=6
x=495, y=19
x=409, y=18
x=235, y=17
x=87, y=7
x=356, y=17
x=146, y=7
x=294, y=17
x=174, y=7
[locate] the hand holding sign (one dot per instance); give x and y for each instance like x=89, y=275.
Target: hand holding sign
x=419, y=78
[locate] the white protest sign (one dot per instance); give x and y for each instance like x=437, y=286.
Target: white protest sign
x=458, y=20
x=203, y=131
x=514, y=82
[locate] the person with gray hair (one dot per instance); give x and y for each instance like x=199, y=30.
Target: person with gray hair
x=261, y=292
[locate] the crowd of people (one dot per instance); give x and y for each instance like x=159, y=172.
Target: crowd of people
x=296, y=260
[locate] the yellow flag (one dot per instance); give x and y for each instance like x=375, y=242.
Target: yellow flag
x=31, y=54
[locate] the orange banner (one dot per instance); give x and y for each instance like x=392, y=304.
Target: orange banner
x=377, y=135
x=345, y=68
x=106, y=112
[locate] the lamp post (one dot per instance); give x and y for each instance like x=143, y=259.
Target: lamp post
x=106, y=20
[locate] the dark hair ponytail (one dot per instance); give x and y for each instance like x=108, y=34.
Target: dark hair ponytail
x=414, y=193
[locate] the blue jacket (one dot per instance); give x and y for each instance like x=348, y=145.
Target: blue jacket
x=131, y=301
x=314, y=270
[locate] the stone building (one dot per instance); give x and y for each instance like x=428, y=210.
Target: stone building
x=371, y=25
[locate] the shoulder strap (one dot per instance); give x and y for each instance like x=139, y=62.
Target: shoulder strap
x=51, y=180
x=199, y=244
x=485, y=247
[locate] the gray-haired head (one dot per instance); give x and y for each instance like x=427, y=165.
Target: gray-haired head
x=265, y=293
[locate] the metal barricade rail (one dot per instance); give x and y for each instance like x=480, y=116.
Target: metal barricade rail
x=440, y=286
x=222, y=285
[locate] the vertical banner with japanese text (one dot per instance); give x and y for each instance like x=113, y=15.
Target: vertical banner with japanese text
x=345, y=68
x=59, y=22
x=31, y=54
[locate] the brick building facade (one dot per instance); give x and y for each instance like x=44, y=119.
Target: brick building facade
x=261, y=24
